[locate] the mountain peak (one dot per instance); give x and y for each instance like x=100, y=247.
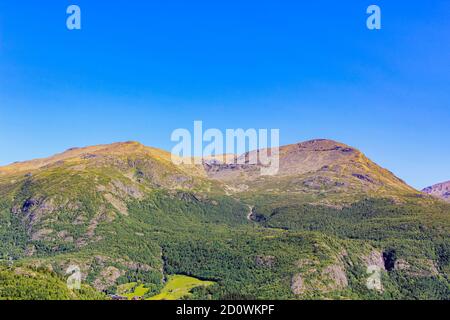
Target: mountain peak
x=320, y=164
x=319, y=145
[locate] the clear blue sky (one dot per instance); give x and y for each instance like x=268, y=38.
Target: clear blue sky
x=140, y=69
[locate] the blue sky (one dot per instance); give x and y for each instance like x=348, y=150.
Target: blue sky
x=140, y=69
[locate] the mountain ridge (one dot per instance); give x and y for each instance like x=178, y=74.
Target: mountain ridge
x=77, y=152
x=125, y=214
x=295, y=159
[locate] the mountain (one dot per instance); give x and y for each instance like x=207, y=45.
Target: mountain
x=148, y=163
x=130, y=219
x=440, y=190
x=39, y=284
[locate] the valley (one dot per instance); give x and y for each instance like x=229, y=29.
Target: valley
x=138, y=225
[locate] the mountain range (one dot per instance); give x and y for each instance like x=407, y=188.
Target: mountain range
x=132, y=220
x=440, y=190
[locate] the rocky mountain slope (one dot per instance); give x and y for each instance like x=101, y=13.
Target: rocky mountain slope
x=124, y=213
x=311, y=167
x=37, y=284
x=440, y=190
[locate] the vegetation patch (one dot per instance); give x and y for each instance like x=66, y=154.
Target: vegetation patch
x=132, y=290
x=39, y=284
x=179, y=286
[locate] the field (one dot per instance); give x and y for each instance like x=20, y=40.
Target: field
x=179, y=286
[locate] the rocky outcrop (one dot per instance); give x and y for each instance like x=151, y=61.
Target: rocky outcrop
x=297, y=284
x=107, y=278
x=417, y=267
x=374, y=258
x=314, y=279
x=335, y=273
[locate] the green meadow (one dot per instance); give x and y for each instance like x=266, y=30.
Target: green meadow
x=179, y=286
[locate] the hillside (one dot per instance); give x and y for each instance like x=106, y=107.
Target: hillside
x=19, y=283
x=125, y=214
x=440, y=190
x=312, y=169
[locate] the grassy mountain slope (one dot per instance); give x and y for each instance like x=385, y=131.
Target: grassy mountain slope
x=125, y=214
x=37, y=284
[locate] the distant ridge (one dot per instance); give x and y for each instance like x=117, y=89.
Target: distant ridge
x=316, y=164
x=440, y=190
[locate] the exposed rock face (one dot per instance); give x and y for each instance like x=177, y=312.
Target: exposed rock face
x=311, y=279
x=417, y=267
x=375, y=263
x=30, y=250
x=127, y=190
x=265, y=261
x=297, y=284
x=429, y=268
x=336, y=273
x=117, y=203
x=314, y=165
x=42, y=234
x=402, y=264
x=375, y=258
x=107, y=278
x=34, y=209
x=440, y=190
